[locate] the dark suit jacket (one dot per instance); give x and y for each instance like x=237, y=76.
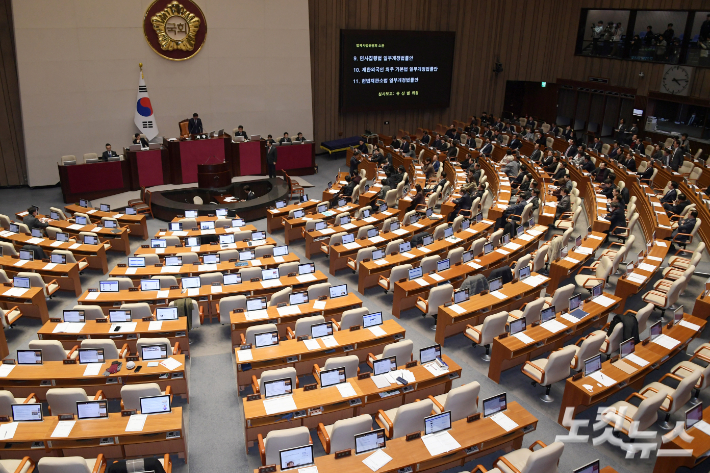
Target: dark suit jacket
x=588, y=166
x=141, y=141
x=33, y=222
x=477, y=175
x=677, y=159
x=679, y=207
x=686, y=226
x=614, y=153
x=571, y=151
x=601, y=174
x=536, y=155
x=436, y=144
x=487, y=149
x=284, y=140
x=106, y=154
x=353, y=164
x=425, y=139
x=271, y=155
x=597, y=146
x=630, y=164
x=464, y=202
x=647, y=173
x=515, y=144
x=241, y=133
x=417, y=200
x=363, y=148
x=567, y=134
x=669, y=197
x=617, y=219
x=560, y=172
x=564, y=205
x=194, y=126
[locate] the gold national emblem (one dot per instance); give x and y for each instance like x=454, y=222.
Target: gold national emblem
x=176, y=27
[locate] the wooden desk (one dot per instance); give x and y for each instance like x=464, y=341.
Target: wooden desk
x=292, y=353
x=333, y=310
x=626, y=287
x=577, y=397
x=335, y=407
x=24, y=380
x=662, y=220
x=700, y=447
x=274, y=216
x=95, y=254
x=701, y=309
x=563, y=268
x=135, y=223
x=406, y=293
x=176, y=250
x=173, y=330
x=339, y=183
x=183, y=234
x=32, y=303
x=66, y=275
x=118, y=241
x=484, y=438
x=84, y=438
x=509, y=352
x=294, y=228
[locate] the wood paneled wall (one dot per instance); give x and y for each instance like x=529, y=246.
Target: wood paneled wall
x=13, y=171
x=534, y=40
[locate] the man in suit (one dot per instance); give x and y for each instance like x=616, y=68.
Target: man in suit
x=536, y=154
x=462, y=203
x=552, y=167
x=567, y=134
x=685, y=143
x=560, y=173
x=513, y=167
x=601, y=173
x=378, y=157
x=671, y=195
x=406, y=147
x=471, y=142
x=138, y=140
x=32, y=221
x=555, y=130
x=571, y=149
x=516, y=143
x=616, y=218
x=677, y=159
x=515, y=208
x=487, y=148
x=685, y=226
x=588, y=165
x=488, y=133
x=475, y=129
x=646, y=174
x=638, y=146
x=437, y=142
x=680, y=203
x=548, y=159
x=665, y=158
x=108, y=153
x=607, y=189
x=194, y=125
x=396, y=144
x=284, y=139
x=271, y=158
x=630, y=164
x=476, y=175
x=533, y=198
x=249, y=193
x=299, y=137
x=564, y=205
x=354, y=161
x=362, y=147
x=615, y=151
x=426, y=138
x=241, y=132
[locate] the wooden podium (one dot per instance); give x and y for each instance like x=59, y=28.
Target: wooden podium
x=210, y=176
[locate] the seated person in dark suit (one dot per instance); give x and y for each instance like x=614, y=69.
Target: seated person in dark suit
x=685, y=226
x=630, y=164
x=607, y=189
x=615, y=151
x=552, y=167
x=532, y=198
x=597, y=145
x=616, y=197
x=671, y=194
x=109, y=153
x=241, y=132
x=138, y=140
x=418, y=198
x=378, y=157
x=249, y=193
x=513, y=211
x=487, y=148
x=467, y=162
x=437, y=141
x=678, y=206
x=346, y=191
x=426, y=138
x=565, y=183
x=476, y=175
x=547, y=159
x=601, y=173
x=563, y=206
x=299, y=137
x=32, y=221
x=462, y=203
x=515, y=143
x=646, y=174
x=562, y=171
x=442, y=182
x=362, y=147
x=588, y=165
x=396, y=144
x=284, y=139
x=616, y=217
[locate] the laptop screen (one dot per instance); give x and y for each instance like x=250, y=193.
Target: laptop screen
x=306, y=268
x=221, y=212
x=344, y=220
x=394, y=226
x=246, y=255
x=280, y=204
x=192, y=241
x=73, y=316
x=298, y=213
x=266, y=339
x=369, y=441
x=155, y=404
x=91, y=355
x=372, y=320
x=232, y=278
x=460, y=296
x=36, y=232
x=656, y=329
x=574, y=302
x=592, y=364
x=365, y=213
x=332, y=377
x=166, y=313
x=91, y=240
x=495, y=284
x=678, y=314
x=173, y=261
x=296, y=457
x=150, y=284
x=506, y=239
x=210, y=259
x=62, y=236
x=267, y=274
x=29, y=357
x=130, y=211
x=693, y=415
x=91, y=409
x=378, y=254
x=597, y=290
x=384, y=365
x=297, y=298
x=191, y=283
x=226, y=239
x=116, y=316
x=256, y=303
x=495, y=404
x=27, y=412
x=191, y=213
x=487, y=248
x=281, y=250
x=338, y=291
x=136, y=262
x=589, y=468
x=626, y=348
x=84, y=203
x=404, y=247
x=277, y=387
x=153, y=352
x=428, y=354
x=547, y=314
x=208, y=225
x=108, y=286
x=437, y=423
x=110, y=224
x=427, y=240
x=372, y=233
x=158, y=243
x=349, y=238
x=322, y=330
x=443, y=265
x=517, y=326
x=258, y=235
x=524, y=273
x=321, y=225
x=238, y=222
x=322, y=208
x=467, y=256
x=27, y=255
x=415, y=273
x=80, y=220
x=465, y=224
x=448, y=232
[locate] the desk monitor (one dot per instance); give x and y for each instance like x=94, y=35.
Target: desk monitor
x=678, y=315
x=156, y=404
x=437, y=423
x=588, y=468
x=460, y=296
x=58, y=259
x=238, y=222
x=110, y=224
x=296, y=457
x=385, y=365
x=506, y=239
x=268, y=274
x=158, y=243
x=427, y=240
x=394, y=226
x=136, y=262
x=254, y=137
x=173, y=261
x=495, y=284
x=226, y=239
x=210, y=259
x=413, y=219
x=322, y=330
x=84, y=203
x=27, y=255
x=404, y=247
x=208, y=225
x=626, y=348
x=372, y=320
x=592, y=364
x=519, y=231
x=343, y=203
x=153, y=352
x=563, y=252
x=465, y=224
x=297, y=298
x=320, y=226
x=191, y=214
x=91, y=355
x=344, y=220
x=332, y=377
x=429, y=212
x=449, y=232
x=349, y=238
x=372, y=233
x=304, y=198
x=166, y=313
x=517, y=326
x=191, y=282
x=27, y=412
x=280, y=204
x=36, y=232
x=266, y=339
x=495, y=404
x=246, y=255
x=415, y=273
x=91, y=410
x=277, y=387
x=14, y=228
x=119, y=315
x=429, y=353
x=467, y=256
x=280, y=250
x=578, y=241
x=81, y=220
x=256, y=303
x=108, y=286
x=232, y=278
x=221, y=212
x=487, y=248
x=322, y=208
x=192, y=241
x=547, y=314
x=258, y=235
x=365, y=213
x=29, y=357
x=443, y=265
x=298, y=213
x=338, y=291
x=693, y=415
x=524, y=273
x=479, y=217
x=656, y=330
x=63, y=237
x=150, y=284
x=597, y=290
x=76, y=316
x=369, y=441
x=383, y=207
x=574, y=302
x=306, y=268
x=378, y=254
x=130, y=211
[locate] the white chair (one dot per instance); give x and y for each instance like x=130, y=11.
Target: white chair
x=642, y=316
x=613, y=341
x=131, y=394
x=523, y=262
x=352, y=318
x=393, y=247
x=687, y=368
x=428, y=264
x=664, y=301
x=52, y=350
x=108, y=346
x=169, y=350
x=528, y=460
x=622, y=414
x=531, y=311
x=7, y=400
x=318, y=290
x=303, y=327
x=249, y=336
x=681, y=263
x=438, y=296
x=401, y=350
x=547, y=371
x=85, y=465
x=138, y=310
x=461, y=401
x=362, y=254
x=560, y=299
x=341, y=435
x=405, y=419
x=586, y=347
x=10, y=316
x=124, y=283
x=350, y=363
x=36, y=281
x=257, y=386
x=63, y=400
x=83, y=264
x=664, y=285
x=483, y=334
x=280, y=297
x=601, y=274
x=676, y=397
x=277, y=440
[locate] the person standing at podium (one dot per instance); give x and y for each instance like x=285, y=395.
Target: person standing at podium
x=108, y=153
x=241, y=132
x=138, y=140
x=271, y=158
x=194, y=125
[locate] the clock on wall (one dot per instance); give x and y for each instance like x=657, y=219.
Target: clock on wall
x=676, y=80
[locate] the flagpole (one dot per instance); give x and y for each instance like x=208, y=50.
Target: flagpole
x=140, y=64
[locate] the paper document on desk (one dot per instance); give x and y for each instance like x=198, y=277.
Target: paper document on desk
x=279, y=259
x=35, y=241
x=312, y=344
x=170, y=364
x=348, y=226
x=377, y=239
x=68, y=327
x=408, y=255
x=216, y=289
x=660, y=243
x=21, y=262
x=654, y=258
x=646, y=267
x=603, y=300
x=380, y=381
x=436, y=277
x=473, y=265
x=512, y=246
x=504, y=421
x=583, y=250
x=170, y=269
x=377, y=331
x=279, y=404
x=400, y=231
x=164, y=294
x=434, y=368
x=526, y=237
x=637, y=360
x=256, y=314
x=155, y=325
x=380, y=262
x=136, y=423
x=63, y=428
x=370, y=219
x=289, y=310
x=457, y=308
x=306, y=278
x=75, y=246
x=440, y=442
x=553, y=326
x=54, y=243
x=75, y=227
x=7, y=431
x=193, y=292
x=499, y=295
x=245, y=355
x=571, y=260
x=131, y=270
x=346, y=390
x=377, y=460
x=5, y=370
x=351, y=246
x=123, y=327
x=18, y=292
x=92, y=295
x=570, y=318
x=421, y=282
x=666, y=342
x=523, y=338
x=602, y=378
x=689, y=325
x=534, y=281
x=501, y=251
x=93, y=369
x=159, y=251
x=329, y=341
x=702, y=426
x=271, y=283
x=637, y=278
x=309, y=469
x=207, y=267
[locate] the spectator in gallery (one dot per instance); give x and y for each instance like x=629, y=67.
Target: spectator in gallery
x=649, y=37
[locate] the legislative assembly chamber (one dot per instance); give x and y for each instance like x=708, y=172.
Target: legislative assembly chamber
x=352, y=236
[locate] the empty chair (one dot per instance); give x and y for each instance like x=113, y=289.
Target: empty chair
x=622, y=414
x=622, y=248
x=249, y=337
x=676, y=397
x=496, y=236
x=83, y=264
x=339, y=217
x=663, y=285
x=188, y=223
x=108, y=346
x=483, y=334
x=52, y=350
x=387, y=224
x=190, y=258
x=227, y=305
x=438, y=296
x=151, y=259
x=124, y=283
x=681, y=263
x=287, y=268
x=664, y=301
x=428, y=264
x=318, y=290
x=10, y=316
x=264, y=250
x=401, y=350
x=223, y=223
x=169, y=350
x=477, y=247
x=7, y=400
x=270, y=375
x=642, y=316
x=456, y=224
x=68, y=160
x=612, y=341
x=166, y=282
x=280, y=297
x=277, y=440
x=439, y=231
x=547, y=371
x=63, y=400
x=531, y=312
x=523, y=262
x=362, y=254
x=7, y=249
x=303, y=326
x=455, y=256
x=393, y=247
x=350, y=363
x=335, y=239
x=3, y=277
x=362, y=231
x=341, y=435
x=586, y=347
x=398, y=272
x=561, y=298
x=138, y=310
x=352, y=318
x=601, y=274
x=131, y=394
x=250, y=273
x=528, y=460
x=36, y=281
x=358, y=213
x=172, y=240
x=405, y=419
x=461, y=401
x=406, y=220
x=207, y=279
